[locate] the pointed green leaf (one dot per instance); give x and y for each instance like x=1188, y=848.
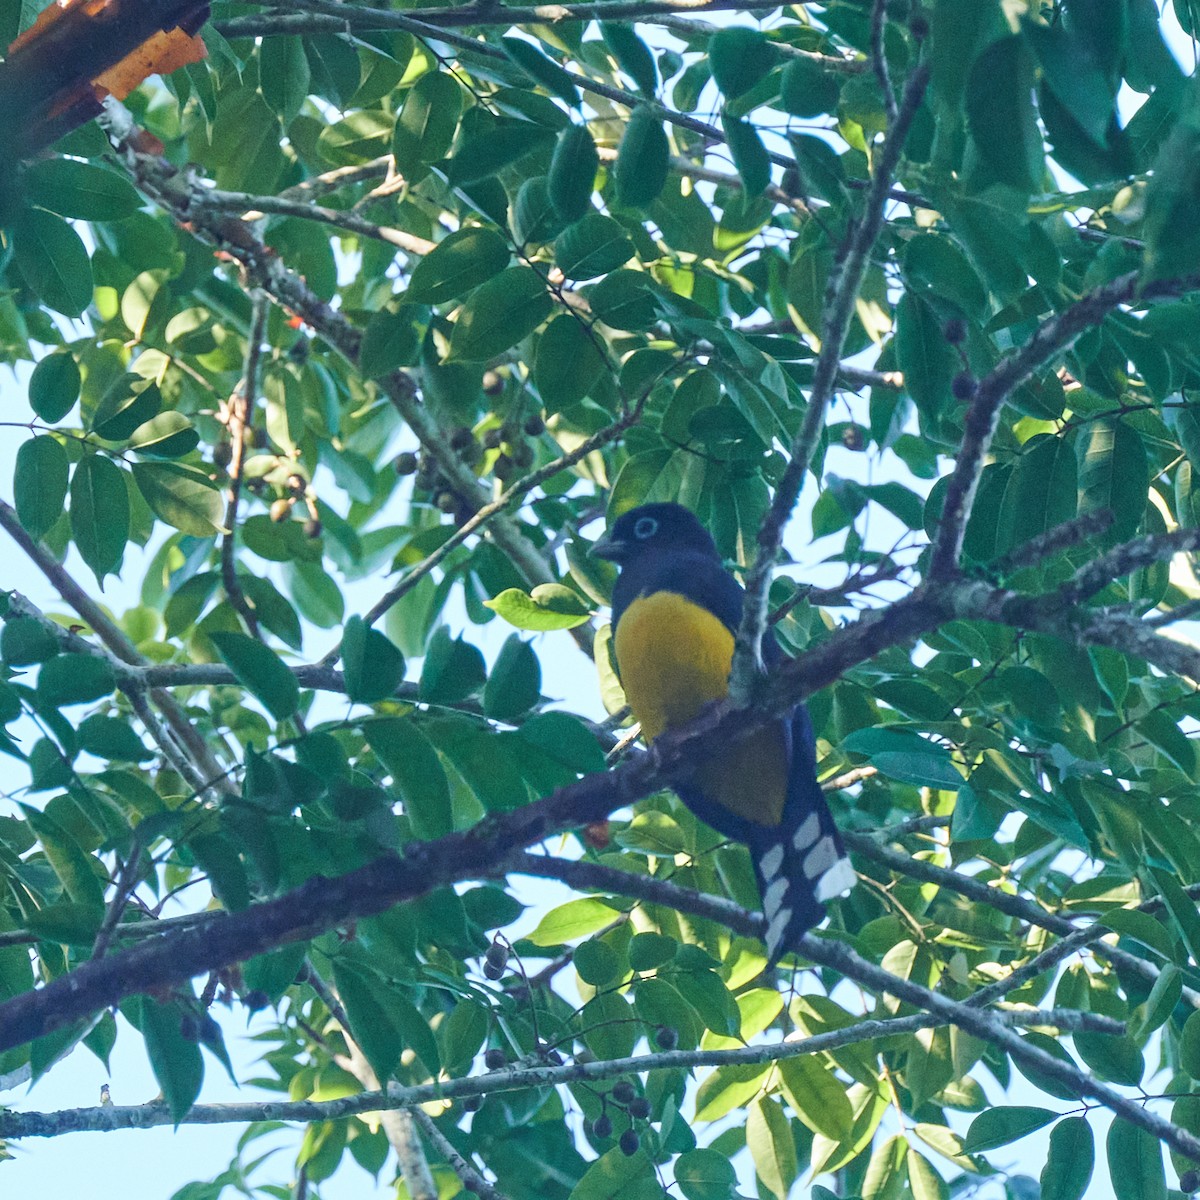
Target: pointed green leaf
x=499, y=314
x=181, y=496
x=99, y=513
x=40, y=484
x=261, y=670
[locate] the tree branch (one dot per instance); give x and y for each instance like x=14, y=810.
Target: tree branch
x=518, y=1078
x=241, y=426
x=184, y=201
x=1052, y=338
x=839, y=311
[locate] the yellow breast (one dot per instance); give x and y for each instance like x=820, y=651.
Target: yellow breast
x=674, y=658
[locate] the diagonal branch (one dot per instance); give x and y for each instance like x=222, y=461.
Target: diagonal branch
x=839, y=312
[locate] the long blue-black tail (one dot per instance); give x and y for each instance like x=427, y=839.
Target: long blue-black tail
x=801, y=862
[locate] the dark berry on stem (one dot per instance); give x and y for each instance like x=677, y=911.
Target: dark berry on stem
x=602, y=1126
x=629, y=1143
x=623, y=1091
x=495, y=1058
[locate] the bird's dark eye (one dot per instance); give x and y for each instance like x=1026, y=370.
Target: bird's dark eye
x=646, y=527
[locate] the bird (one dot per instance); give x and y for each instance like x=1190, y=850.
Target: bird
x=105, y=1096
x=675, y=615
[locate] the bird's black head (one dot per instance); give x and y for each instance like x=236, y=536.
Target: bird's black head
x=655, y=527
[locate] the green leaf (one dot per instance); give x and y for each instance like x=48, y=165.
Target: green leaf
x=453, y=669
x=181, y=496
x=592, y=247
x=127, y=405
x=816, y=1095
x=356, y=139
x=1113, y=474
x=54, y=386
x=1135, y=1162
x=79, y=189
x=483, y=154
x=40, y=484
x=923, y=354
x=632, y=55
x=374, y=667
x=1189, y=1045
x=25, y=641
x=769, y=1137
x=514, y=685
x=428, y=119
x=1068, y=1169
x=394, y=334
x=283, y=77
x=53, y=260
x=643, y=158
x=261, y=670
x=617, y=1176
x=77, y=871
x=749, y=154
x=884, y=1179
x=459, y=262
x=417, y=773
x=542, y=69
x=1041, y=491
x=649, y=951
x=924, y=1180
x=1003, y=1124
x=568, y=361
x=534, y=217
x=169, y=435
x=367, y=1004
x=99, y=514
x=705, y=1175
x=548, y=606
x=1003, y=122
x=575, y=919
x=596, y=962
x=806, y=89
x=108, y=737
x=499, y=314
x=572, y=177
x=738, y=58
x=175, y=1059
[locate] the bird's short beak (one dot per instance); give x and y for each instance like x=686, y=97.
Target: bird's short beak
x=609, y=548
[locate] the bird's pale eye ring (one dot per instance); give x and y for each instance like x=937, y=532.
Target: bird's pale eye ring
x=646, y=527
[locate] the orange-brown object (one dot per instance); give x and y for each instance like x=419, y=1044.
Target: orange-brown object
x=60, y=69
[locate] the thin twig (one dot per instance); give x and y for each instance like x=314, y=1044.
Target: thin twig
x=835, y=327
x=466, y=1171
x=241, y=429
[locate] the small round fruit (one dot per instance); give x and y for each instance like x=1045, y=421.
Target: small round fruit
x=666, y=1038
x=522, y=455
x=493, y=383
x=222, y=454
x=447, y=502
x=623, y=1091
x=534, y=425
x=280, y=510
x=918, y=26
x=406, y=463
x=493, y=438
x=256, y=999
x=963, y=385
x=461, y=438
x=472, y=1103
x=629, y=1143
x=602, y=1126
x=504, y=467
x=312, y=528
x=493, y=970
x=955, y=330
x=639, y=1107
x=495, y=1058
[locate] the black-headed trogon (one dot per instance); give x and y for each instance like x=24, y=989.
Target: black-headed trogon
x=675, y=612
